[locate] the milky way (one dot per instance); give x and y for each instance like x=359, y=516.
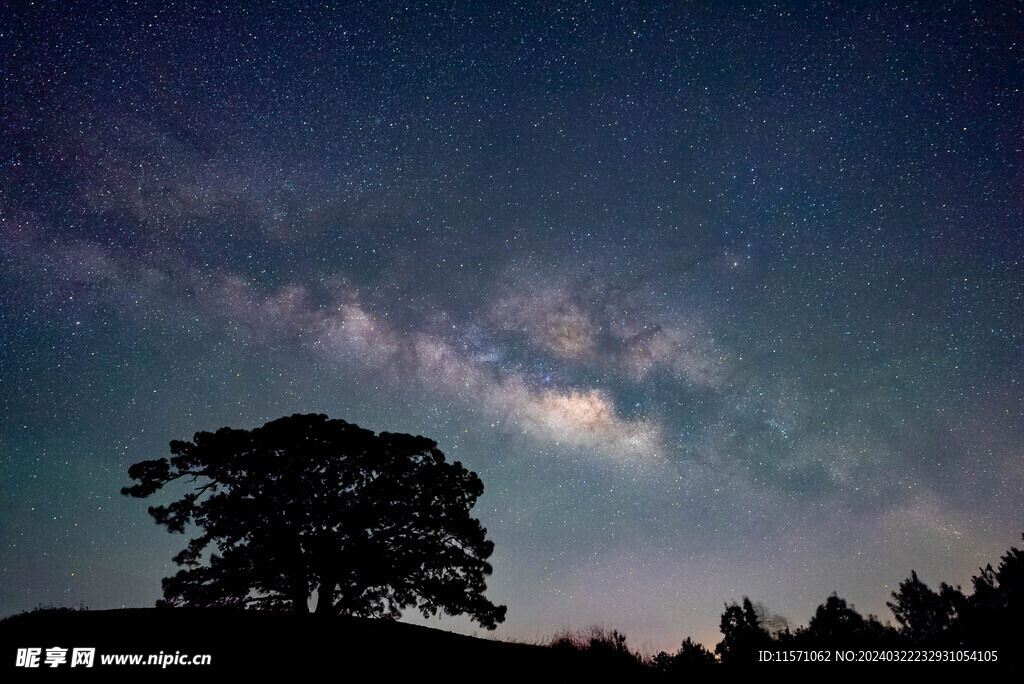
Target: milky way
x=717, y=300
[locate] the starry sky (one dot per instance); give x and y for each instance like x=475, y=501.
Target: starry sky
x=719, y=299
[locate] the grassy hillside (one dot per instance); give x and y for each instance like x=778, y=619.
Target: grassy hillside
x=252, y=641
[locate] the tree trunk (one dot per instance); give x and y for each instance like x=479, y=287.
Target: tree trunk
x=325, y=598
x=300, y=582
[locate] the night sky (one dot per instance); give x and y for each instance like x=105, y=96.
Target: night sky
x=718, y=299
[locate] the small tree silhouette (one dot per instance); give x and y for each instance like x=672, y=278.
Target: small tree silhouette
x=369, y=524
x=743, y=635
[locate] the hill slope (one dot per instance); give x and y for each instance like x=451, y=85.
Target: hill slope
x=250, y=641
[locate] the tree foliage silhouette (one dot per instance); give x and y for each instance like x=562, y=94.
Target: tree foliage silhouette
x=690, y=656
x=995, y=611
x=1001, y=591
x=984, y=626
x=369, y=524
x=742, y=634
x=835, y=620
x=925, y=614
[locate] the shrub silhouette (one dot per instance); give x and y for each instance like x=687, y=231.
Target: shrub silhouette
x=599, y=650
x=690, y=656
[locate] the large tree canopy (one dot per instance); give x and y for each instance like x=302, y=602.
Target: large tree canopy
x=369, y=523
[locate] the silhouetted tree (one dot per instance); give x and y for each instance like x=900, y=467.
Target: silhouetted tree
x=837, y=624
x=925, y=615
x=690, y=656
x=995, y=611
x=369, y=523
x=743, y=635
x=835, y=621
x=877, y=634
x=1002, y=589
